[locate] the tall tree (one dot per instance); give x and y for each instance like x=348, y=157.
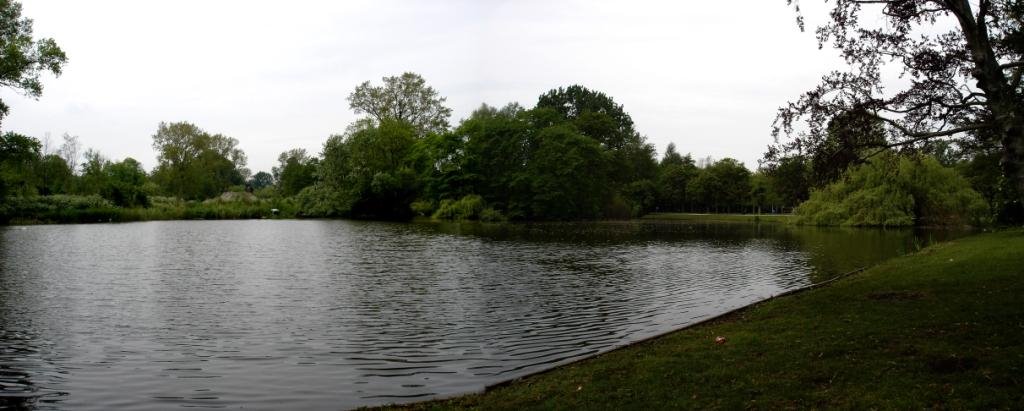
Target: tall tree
x=261, y=179
x=19, y=155
x=369, y=172
x=596, y=114
x=405, y=98
x=295, y=171
x=24, y=59
x=194, y=164
x=963, y=82
x=69, y=151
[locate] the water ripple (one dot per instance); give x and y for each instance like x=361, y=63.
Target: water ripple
x=329, y=314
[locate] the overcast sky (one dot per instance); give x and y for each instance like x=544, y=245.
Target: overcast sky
x=706, y=75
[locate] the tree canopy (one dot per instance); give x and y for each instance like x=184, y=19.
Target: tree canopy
x=405, y=98
x=194, y=164
x=961, y=61
x=22, y=58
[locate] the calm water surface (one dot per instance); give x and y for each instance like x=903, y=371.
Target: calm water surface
x=339, y=314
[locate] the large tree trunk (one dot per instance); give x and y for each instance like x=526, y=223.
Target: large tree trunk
x=1002, y=98
x=1013, y=155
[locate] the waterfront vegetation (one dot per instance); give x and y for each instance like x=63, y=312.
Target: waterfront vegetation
x=722, y=218
x=574, y=156
x=941, y=328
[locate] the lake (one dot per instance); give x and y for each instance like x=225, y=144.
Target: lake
x=309, y=314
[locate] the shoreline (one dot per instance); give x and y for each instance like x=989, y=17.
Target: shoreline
x=920, y=302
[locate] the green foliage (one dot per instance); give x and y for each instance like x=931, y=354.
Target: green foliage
x=674, y=175
x=320, y=200
x=594, y=113
x=470, y=207
x=194, y=164
x=18, y=157
x=568, y=175
x=57, y=208
x=423, y=208
x=125, y=183
x=891, y=191
x=490, y=215
x=261, y=180
x=985, y=175
x=24, y=58
x=296, y=171
x=404, y=99
x=723, y=186
x=53, y=175
x=369, y=173
x=790, y=180
x=489, y=156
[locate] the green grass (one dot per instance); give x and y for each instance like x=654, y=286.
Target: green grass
x=729, y=218
x=942, y=328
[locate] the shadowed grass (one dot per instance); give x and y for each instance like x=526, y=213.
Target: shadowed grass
x=943, y=328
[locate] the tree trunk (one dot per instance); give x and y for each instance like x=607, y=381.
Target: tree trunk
x=1013, y=156
x=1002, y=97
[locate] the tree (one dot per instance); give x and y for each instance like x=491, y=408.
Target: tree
x=598, y=116
x=498, y=146
x=672, y=158
x=675, y=174
x=69, y=151
x=295, y=171
x=963, y=82
x=368, y=172
x=24, y=59
x=567, y=176
x=124, y=183
x=53, y=174
x=19, y=155
x=790, y=180
x=194, y=164
x=261, y=179
x=595, y=114
x=891, y=190
x=93, y=176
x=405, y=98
x=702, y=190
x=733, y=184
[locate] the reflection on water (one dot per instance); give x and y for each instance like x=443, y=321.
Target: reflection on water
x=329, y=314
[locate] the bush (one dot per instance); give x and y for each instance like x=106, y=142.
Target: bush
x=490, y=215
x=469, y=207
x=320, y=201
x=423, y=208
x=893, y=191
x=57, y=208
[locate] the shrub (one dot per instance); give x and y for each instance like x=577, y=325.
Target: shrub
x=469, y=207
x=491, y=215
x=893, y=191
x=423, y=208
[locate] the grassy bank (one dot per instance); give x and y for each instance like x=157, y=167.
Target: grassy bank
x=943, y=328
x=728, y=218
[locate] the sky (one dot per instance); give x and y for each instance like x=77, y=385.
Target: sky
x=707, y=76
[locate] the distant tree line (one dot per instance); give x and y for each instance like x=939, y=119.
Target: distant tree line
x=574, y=155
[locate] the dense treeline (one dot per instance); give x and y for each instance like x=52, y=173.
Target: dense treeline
x=575, y=155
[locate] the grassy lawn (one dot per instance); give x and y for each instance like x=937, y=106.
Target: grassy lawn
x=730, y=218
x=943, y=328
